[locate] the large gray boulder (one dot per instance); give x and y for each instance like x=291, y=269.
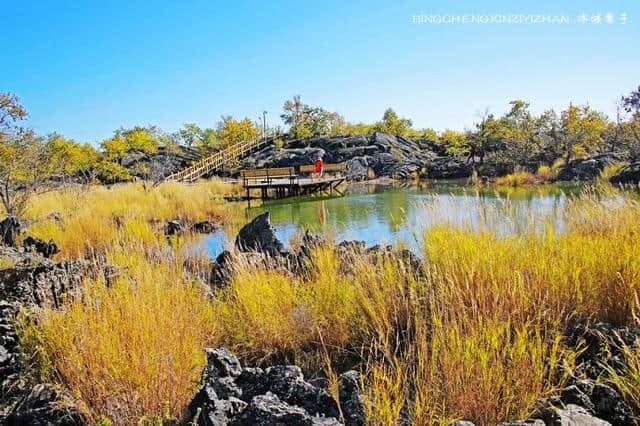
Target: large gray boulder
x=231, y=394
x=571, y=415
x=259, y=236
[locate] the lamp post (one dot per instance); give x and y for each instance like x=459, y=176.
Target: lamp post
x=264, y=124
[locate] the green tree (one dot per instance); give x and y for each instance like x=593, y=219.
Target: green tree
x=71, y=158
x=24, y=158
x=392, y=124
x=307, y=121
x=456, y=143
x=191, y=134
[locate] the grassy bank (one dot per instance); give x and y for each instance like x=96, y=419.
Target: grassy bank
x=84, y=221
x=478, y=334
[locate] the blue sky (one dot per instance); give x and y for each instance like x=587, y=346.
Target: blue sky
x=86, y=68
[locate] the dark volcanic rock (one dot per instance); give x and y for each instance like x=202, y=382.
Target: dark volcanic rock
x=569, y=416
x=47, y=249
x=351, y=399
x=10, y=227
x=259, y=235
x=174, y=227
x=587, y=168
x=629, y=174
x=377, y=155
x=46, y=405
x=268, y=410
x=160, y=164
x=204, y=227
x=230, y=394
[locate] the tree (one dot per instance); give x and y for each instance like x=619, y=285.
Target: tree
x=392, y=124
x=518, y=132
x=11, y=111
x=294, y=116
x=71, y=158
x=24, y=158
x=145, y=139
x=307, y=121
x=581, y=130
x=25, y=168
x=232, y=131
x=456, y=143
x=629, y=130
x=488, y=137
x=631, y=102
x=191, y=134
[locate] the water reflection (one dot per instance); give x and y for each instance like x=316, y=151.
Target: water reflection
x=380, y=214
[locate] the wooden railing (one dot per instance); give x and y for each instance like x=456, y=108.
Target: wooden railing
x=267, y=175
x=327, y=168
x=215, y=161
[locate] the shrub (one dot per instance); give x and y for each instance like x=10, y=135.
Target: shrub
x=516, y=179
x=545, y=173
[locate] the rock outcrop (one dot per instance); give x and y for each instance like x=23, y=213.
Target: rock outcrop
x=46, y=249
x=627, y=175
x=367, y=156
x=160, y=164
x=10, y=227
x=257, y=245
x=587, y=169
x=231, y=394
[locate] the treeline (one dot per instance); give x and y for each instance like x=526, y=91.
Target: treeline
x=518, y=138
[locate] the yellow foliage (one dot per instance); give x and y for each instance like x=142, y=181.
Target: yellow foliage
x=94, y=219
x=135, y=348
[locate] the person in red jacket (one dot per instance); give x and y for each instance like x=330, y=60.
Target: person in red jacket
x=319, y=167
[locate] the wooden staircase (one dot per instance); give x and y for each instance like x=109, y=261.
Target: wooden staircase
x=219, y=159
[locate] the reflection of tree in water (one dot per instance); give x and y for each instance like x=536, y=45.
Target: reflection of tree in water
x=391, y=207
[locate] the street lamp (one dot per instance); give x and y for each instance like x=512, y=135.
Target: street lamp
x=264, y=124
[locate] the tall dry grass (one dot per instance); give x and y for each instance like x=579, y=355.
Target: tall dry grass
x=86, y=221
x=133, y=349
x=476, y=334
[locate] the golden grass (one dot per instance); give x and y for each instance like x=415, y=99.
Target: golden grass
x=516, y=179
x=92, y=220
x=523, y=178
x=133, y=349
x=476, y=335
x=627, y=381
x=610, y=170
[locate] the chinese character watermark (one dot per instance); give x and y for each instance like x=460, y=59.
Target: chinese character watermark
x=515, y=18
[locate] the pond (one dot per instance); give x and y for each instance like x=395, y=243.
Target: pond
x=389, y=214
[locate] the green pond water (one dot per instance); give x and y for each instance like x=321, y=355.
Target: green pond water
x=388, y=214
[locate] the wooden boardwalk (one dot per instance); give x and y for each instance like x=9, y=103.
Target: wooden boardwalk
x=291, y=186
x=218, y=160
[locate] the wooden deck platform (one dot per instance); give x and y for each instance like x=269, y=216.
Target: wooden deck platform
x=292, y=186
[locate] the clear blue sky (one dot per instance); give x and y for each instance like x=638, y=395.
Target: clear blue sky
x=85, y=68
